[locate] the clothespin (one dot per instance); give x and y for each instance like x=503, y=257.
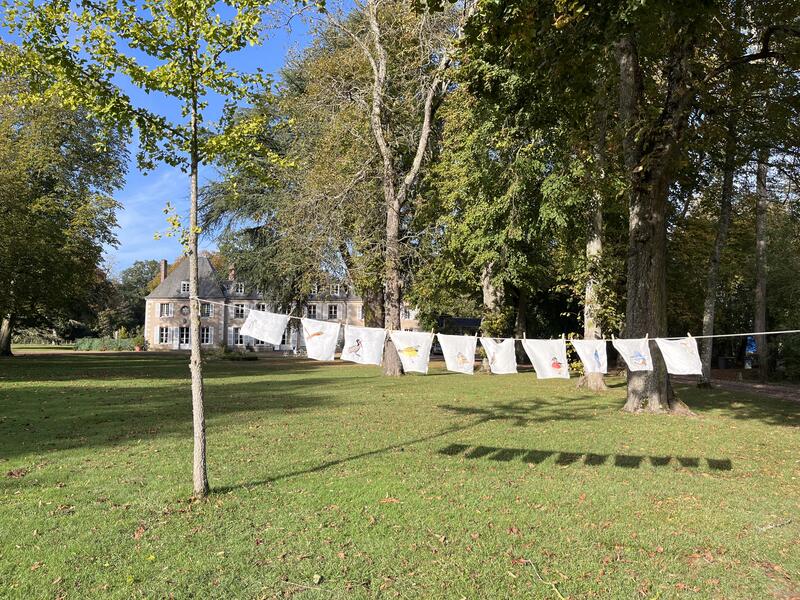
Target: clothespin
x=688, y=334
x=647, y=336
x=563, y=337
x=612, y=337
x=524, y=335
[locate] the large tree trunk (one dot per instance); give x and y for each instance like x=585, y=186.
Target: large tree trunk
x=493, y=321
x=594, y=254
x=199, y=471
x=391, y=360
x=648, y=154
x=762, y=203
x=591, y=305
x=521, y=322
x=374, y=311
x=6, y=329
x=712, y=282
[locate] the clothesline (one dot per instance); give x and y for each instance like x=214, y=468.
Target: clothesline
x=697, y=337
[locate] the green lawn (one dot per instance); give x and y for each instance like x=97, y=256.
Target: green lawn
x=331, y=481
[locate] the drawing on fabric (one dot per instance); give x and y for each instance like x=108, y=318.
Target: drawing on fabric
x=461, y=360
x=310, y=335
x=355, y=349
x=556, y=364
x=639, y=359
x=596, y=357
x=410, y=351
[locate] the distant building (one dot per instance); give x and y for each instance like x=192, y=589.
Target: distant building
x=166, y=321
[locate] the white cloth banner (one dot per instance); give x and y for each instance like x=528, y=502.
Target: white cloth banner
x=501, y=354
x=414, y=349
x=363, y=345
x=459, y=352
x=635, y=353
x=265, y=326
x=548, y=357
x=592, y=354
x=320, y=338
x=681, y=356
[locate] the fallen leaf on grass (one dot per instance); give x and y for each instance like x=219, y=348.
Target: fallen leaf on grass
x=520, y=561
x=17, y=473
x=137, y=535
x=36, y=565
x=389, y=500
x=513, y=530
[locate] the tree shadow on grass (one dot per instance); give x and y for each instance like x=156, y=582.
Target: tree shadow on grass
x=113, y=366
x=526, y=412
x=741, y=405
x=35, y=419
x=564, y=458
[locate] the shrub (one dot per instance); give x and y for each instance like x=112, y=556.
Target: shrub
x=104, y=344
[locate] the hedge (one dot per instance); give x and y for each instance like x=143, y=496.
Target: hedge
x=104, y=344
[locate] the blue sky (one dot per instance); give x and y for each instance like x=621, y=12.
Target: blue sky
x=144, y=196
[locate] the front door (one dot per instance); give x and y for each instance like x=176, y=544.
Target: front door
x=183, y=338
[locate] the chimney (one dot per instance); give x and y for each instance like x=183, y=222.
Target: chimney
x=163, y=266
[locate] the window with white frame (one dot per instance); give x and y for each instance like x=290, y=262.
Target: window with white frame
x=206, y=335
x=163, y=335
x=262, y=306
x=165, y=309
x=406, y=313
x=335, y=289
x=206, y=309
x=183, y=335
x=315, y=289
x=312, y=311
x=238, y=338
x=333, y=312
x=238, y=311
x=238, y=288
x=184, y=287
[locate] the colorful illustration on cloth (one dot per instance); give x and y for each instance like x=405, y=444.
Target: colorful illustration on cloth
x=413, y=348
x=681, y=356
x=265, y=326
x=363, y=345
x=592, y=354
x=548, y=357
x=501, y=354
x=635, y=353
x=459, y=352
x=320, y=338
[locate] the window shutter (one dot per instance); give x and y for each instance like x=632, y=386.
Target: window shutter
x=156, y=338
x=230, y=336
x=170, y=309
x=210, y=310
x=210, y=335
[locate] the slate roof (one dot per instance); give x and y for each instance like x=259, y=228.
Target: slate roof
x=209, y=282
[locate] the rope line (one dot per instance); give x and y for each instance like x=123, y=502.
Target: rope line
x=611, y=339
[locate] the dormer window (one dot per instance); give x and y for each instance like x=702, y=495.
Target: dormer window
x=238, y=288
x=315, y=289
x=184, y=287
x=335, y=289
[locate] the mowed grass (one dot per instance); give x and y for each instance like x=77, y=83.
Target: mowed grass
x=331, y=481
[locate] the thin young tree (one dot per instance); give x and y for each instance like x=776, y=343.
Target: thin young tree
x=177, y=49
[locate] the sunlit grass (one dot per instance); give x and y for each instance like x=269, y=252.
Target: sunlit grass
x=332, y=481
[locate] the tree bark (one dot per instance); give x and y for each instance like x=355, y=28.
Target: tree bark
x=199, y=471
x=760, y=321
x=712, y=282
x=6, y=329
x=493, y=298
x=521, y=322
x=374, y=312
x=648, y=153
x=594, y=253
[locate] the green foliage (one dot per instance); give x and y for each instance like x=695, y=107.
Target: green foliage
x=105, y=344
